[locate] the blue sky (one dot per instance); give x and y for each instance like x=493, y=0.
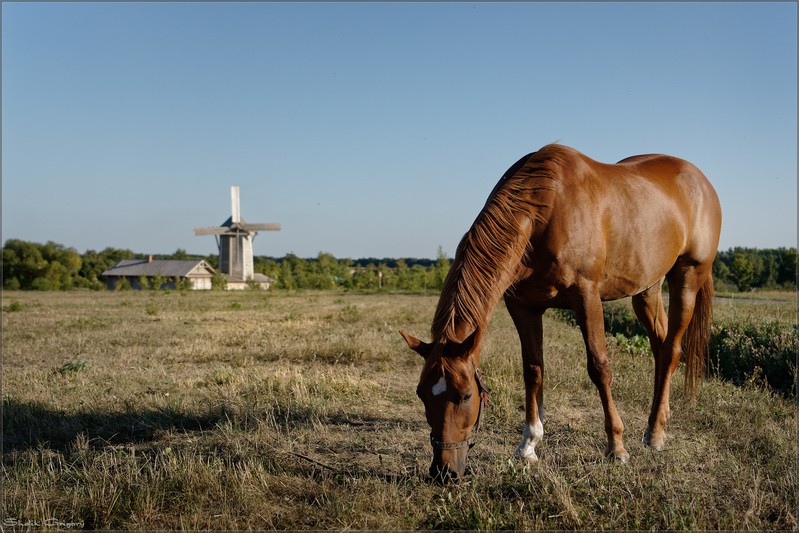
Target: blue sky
x=376, y=129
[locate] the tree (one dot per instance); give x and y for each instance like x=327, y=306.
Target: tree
x=157, y=282
x=94, y=263
x=49, y=266
x=218, y=282
x=180, y=254
x=441, y=268
x=745, y=269
x=786, y=271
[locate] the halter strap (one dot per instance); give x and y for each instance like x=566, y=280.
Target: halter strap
x=469, y=441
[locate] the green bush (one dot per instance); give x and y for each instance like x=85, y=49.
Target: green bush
x=619, y=319
x=218, y=282
x=763, y=353
x=748, y=352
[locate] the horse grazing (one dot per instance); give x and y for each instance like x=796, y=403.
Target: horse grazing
x=561, y=230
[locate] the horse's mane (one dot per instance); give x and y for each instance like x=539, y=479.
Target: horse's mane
x=490, y=253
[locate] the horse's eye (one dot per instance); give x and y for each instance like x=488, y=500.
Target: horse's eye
x=466, y=397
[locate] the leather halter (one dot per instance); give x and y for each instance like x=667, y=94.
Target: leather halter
x=469, y=441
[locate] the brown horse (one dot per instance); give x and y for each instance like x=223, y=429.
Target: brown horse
x=562, y=230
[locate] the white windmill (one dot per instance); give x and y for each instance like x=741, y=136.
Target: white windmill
x=234, y=239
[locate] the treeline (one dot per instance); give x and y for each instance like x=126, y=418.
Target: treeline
x=52, y=266
x=744, y=269
x=327, y=272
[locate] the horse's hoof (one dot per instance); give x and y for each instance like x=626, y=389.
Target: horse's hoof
x=658, y=442
x=528, y=456
x=619, y=455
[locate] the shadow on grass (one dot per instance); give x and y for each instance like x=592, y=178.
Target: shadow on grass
x=31, y=424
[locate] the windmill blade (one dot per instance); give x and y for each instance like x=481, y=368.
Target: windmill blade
x=261, y=227
x=235, y=206
x=211, y=231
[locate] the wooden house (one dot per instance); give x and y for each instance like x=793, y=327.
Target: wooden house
x=135, y=271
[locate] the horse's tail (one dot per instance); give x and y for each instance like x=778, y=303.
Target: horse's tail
x=696, y=342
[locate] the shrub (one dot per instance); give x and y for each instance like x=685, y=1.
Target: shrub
x=635, y=345
x=746, y=352
x=619, y=319
x=218, y=282
x=763, y=353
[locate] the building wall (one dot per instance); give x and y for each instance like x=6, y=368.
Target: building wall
x=242, y=285
x=197, y=283
x=201, y=284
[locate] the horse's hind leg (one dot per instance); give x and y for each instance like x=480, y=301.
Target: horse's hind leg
x=588, y=308
x=684, y=284
x=648, y=307
x=529, y=325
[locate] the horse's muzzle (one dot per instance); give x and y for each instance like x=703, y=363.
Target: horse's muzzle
x=448, y=466
x=444, y=475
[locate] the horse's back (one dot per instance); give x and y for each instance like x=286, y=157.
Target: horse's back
x=623, y=226
x=683, y=184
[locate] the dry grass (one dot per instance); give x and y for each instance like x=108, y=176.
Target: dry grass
x=251, y=410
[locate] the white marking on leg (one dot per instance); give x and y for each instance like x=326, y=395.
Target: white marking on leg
x=533, y=433
x=440, y=387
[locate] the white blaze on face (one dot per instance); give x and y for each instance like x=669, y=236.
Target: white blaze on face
x=440, y=387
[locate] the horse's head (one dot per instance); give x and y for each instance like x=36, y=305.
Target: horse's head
x=453, y=398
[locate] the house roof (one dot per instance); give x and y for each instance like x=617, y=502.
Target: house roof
x=164, y=267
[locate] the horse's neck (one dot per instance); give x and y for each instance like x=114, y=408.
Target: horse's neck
x=459, y=326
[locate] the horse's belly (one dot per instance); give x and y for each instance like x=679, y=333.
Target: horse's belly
x=617, y=288
x=634, y=269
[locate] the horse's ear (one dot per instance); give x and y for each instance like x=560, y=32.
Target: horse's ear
x=461, y=349
x=422, y=348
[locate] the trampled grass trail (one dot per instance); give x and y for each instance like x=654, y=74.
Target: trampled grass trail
x=238, y=410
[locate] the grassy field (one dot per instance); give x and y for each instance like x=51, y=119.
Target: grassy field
x=242, y=410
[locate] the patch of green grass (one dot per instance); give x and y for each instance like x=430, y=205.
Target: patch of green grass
x=13, y=307
x=75, y=365
x=221, y=377
x=635, y=345
x=349, y=313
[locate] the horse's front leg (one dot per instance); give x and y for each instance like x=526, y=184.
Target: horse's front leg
x=589, y=316
x=531, y=334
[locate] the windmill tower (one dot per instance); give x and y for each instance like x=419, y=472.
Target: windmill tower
x=234, y=239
